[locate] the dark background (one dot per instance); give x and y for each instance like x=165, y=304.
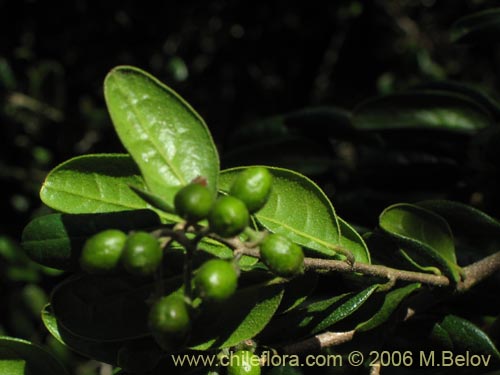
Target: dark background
x=235, y=62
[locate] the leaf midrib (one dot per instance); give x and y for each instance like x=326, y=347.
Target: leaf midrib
x=151, y=139
x=73, y=193
x=303, y=234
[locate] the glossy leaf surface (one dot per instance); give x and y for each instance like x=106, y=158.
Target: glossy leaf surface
x=391, y=302
x=239, y=318
x=167, y=139
x=472, y=92
x=297, y=208
x=316, y=316
x=93, y=183
x=421, y=110
x=466, y=336
x=423, y=234
x=464, y=218
x=21, y=357
x=352, y=241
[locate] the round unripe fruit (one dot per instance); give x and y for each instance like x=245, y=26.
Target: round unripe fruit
x=282, y=256
x=229, y=216
x=243, y=362
x=169, y=320
x=193, y=202
x=101, y=253
x=216, y=280
x=253, y=187
x=142, y=254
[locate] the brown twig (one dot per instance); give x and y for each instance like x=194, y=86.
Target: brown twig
x=376, y=270
x=332, y=265
x=477, y=272
x=472, y=274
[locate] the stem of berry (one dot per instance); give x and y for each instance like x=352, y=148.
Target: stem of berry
x=190, y=246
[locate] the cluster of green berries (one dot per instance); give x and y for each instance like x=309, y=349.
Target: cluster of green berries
x=229, y=215
x=170, y=316
x=139, y=253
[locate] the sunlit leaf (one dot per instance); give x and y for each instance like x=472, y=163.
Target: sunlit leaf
x=167, y=139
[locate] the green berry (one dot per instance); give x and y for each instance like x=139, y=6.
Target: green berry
x=282, y=256
x=216, y=280
x=193, y=202
x=229, y=216
x=253, y=187
x=243, y=362
x=142, y=254
x=101, y=253
x=169, y=320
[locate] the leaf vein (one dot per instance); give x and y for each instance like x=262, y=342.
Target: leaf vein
x=303, y=234
x=69, y=192
x=151, y=139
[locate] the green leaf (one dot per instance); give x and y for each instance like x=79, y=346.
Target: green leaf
x=422, y=110
x=417, y=266
x=472, y=92
x=154, y=200
x=441, y=337
x=421, y=234
x=477, y=233
x=208, y=249
x=480, y=27
x=298, y=209
x=297, y=290
x=93, y=183
x=391, y=302
x=222, y=251
x=107, y=352
x=167, y=139
x=466, y=336
x=330, y=316
x=352, y=241
x=21, y=357
x=101, y=351
x=317, y=316
x=108, y=309
x=224, y=325
x=56, y=240
x=464, y=218
x=105, y=308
